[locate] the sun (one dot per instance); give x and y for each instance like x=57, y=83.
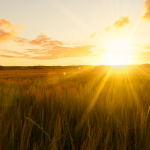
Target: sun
x=119, y=52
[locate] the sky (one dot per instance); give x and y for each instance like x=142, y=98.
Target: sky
x=81, y=32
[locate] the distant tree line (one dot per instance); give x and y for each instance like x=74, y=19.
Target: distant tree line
x=96, y=67
x=1, y=68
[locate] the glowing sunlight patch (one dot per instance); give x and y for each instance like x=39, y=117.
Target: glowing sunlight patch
x=119, y=52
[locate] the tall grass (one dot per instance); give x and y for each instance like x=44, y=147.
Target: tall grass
x=51, y=111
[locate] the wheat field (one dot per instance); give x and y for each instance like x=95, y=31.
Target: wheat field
x=70, y=109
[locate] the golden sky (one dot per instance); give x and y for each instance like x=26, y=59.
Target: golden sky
x=67, y=32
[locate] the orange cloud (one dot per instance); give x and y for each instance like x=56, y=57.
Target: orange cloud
x=79, y=51
x=8, y=25
x=147, y=10
x=11, y=56
x=76, y=51
x=20, y=40
x=12, y=52
x=122, y=22
x=43, y=41
x=8, y=30
x=7, y=56
x=44, y=57
x=6, y=36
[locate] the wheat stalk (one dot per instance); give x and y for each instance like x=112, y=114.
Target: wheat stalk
x=148, y=115
x=38, y=127
x=148, y=112
x=42, y=130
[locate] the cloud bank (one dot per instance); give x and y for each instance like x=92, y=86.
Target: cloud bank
x=43, y=47
x=54, y=49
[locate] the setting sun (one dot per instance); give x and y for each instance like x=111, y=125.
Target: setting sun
x=119, y=52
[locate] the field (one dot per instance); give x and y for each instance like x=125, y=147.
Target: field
x=75, y=109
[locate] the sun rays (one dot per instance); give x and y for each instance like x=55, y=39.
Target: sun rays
x=118, y=78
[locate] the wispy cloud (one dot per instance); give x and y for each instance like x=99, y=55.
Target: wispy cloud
x=21, y=41
x=146, y=8
x=11, y=56
x=120, y=23
x=93, y=35
x=44, y=41
x=7, y=56
x=108, y=28
x=8, y=31
x=8, y=51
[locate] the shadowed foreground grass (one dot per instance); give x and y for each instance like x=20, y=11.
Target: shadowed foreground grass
x=74, y=111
